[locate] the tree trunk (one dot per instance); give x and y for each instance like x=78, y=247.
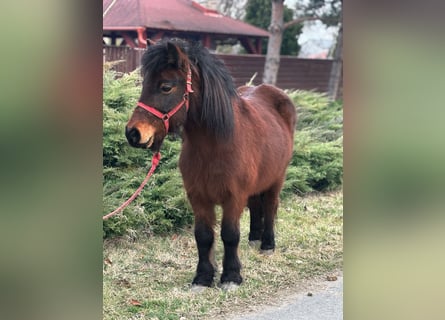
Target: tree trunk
x=274, y=45
x=337, y=65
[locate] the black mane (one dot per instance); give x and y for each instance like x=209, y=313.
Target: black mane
x=216, y=84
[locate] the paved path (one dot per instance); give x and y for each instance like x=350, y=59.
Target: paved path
x=326, y=303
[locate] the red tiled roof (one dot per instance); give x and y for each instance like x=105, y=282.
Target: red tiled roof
x=183, y=15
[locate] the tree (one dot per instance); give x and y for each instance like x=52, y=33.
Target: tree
x=328, y=11
x=258, y=13
x=234, y=9
x=276, y=29
x=337, y=66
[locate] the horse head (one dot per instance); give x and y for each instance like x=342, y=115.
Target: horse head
x=164, y=101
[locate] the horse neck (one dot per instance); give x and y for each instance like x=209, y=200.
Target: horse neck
x=196, y=134
x=193, y=120
x=194, y=131
x=203, y=144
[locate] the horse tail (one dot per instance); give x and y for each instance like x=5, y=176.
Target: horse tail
x=286, y=109
x=283, y=104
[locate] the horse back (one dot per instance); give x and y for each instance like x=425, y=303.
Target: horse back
x=265, y=97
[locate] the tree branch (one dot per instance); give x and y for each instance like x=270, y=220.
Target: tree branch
x=300, y=20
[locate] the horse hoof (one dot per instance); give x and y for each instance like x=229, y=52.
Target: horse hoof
x=229, y=286
x=255, y=244
x=196, y=288
x=268, y=252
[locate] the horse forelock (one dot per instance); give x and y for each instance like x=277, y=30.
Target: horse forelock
x=215, y=85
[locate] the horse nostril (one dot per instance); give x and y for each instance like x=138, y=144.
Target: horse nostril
x=133, y=136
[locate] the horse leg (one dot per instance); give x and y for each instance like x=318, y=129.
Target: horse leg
x=255, y=204
x=230, y=234
x=204, y=236
x=270, y=206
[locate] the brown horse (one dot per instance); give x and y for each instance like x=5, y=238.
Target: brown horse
x=236, y=146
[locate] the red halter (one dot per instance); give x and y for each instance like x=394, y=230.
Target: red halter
x=185, y=100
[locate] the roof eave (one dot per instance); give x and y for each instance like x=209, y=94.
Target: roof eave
x=135, y=28
x=117, y=28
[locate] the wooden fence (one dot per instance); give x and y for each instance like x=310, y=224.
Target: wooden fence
x=294, y=73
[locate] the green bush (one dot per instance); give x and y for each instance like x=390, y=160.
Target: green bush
x=162, y=206
x=317, y=162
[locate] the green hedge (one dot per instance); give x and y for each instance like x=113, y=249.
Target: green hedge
x=162, y=207
x=317, y=162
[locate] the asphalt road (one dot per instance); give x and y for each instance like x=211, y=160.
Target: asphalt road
x=325, y=303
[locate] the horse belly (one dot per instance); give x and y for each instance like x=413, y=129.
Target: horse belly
x=207, y=181
x=270, y=166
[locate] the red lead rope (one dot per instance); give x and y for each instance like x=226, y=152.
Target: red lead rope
x=154, y=164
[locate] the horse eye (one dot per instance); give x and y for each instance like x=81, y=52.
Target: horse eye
x=166, y=88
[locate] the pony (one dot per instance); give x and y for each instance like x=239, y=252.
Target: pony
x=236, y=146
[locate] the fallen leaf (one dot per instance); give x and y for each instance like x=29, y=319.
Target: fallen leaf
x=108, y=261
x=136, y=303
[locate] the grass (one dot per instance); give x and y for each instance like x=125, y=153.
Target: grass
x=149, y=278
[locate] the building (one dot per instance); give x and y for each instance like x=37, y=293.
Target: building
x=133, y=22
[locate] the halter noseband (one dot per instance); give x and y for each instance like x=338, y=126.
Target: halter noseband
x=185, y=100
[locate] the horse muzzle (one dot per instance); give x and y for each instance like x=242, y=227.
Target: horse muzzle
x=139, y=139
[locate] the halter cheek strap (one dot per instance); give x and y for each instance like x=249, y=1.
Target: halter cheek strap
x=166, y=116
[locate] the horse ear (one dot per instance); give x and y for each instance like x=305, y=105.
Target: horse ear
x=173, y=55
